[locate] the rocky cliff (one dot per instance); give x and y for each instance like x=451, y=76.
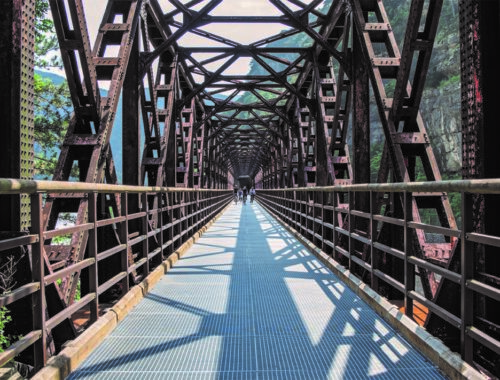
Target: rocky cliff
x=440, y=107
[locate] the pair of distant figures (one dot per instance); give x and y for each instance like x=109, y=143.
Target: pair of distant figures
x=241, y=195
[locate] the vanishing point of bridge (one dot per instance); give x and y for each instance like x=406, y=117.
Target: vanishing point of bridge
x=397, y=277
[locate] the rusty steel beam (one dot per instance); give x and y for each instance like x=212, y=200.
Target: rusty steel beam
x=360, y=116
x=131, y=147
x=403, y=152
x=17, y=37
x=88, y=136
x=287, y=125
x=479, y=38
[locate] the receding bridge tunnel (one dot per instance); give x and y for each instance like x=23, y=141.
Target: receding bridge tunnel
x=367, y=128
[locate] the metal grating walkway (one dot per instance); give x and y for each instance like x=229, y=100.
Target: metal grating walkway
x=248, y=301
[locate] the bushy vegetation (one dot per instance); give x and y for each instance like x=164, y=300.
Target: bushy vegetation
x=7, y=283
x=4, y=319
x=52, y=101
x=52, y=113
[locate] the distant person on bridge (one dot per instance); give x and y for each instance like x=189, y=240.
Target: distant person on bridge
x=252, y=194
x=245, y=193
x=240, y=195
x=235, y=192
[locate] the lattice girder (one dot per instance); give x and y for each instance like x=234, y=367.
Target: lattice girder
x=286, y=124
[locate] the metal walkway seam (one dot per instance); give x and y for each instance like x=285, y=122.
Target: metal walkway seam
x=76, y=351
x=431, y=347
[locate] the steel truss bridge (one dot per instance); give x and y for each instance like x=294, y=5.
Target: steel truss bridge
x=299, y=130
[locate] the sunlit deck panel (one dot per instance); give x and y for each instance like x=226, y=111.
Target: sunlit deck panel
x=248, y=301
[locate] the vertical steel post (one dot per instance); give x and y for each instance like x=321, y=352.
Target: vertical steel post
x=467, y=265
x=144, y=232
x=350, y=218
x=131, y=137
x=360, y=121
x=480, y=78
x=409, y=274
x=125, y=240
x=17, y=36
x=334, y=223
x=38, y=270
x=372, y=230
x=161, y=196
x=93, y=269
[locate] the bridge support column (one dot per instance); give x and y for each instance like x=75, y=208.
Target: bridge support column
x=361, y=138
x=480, y=38
x=361, y=118
x=17, y=37
x=131, y=127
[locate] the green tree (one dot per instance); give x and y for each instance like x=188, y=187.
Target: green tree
x=4, y=319
x=52, y=113
x=52, y=101
x=46, y=44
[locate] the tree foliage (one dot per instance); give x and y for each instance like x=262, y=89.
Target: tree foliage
x=52, y=101
x=46, y=44
x=52, y=113
x=4, y=319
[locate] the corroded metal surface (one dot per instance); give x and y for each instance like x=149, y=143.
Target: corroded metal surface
x=17, y=35
x=288, y=124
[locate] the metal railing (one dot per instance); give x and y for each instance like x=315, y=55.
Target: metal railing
x=328, y=218
x=179, y=214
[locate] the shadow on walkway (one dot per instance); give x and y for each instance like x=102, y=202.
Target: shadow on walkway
x=248, y=301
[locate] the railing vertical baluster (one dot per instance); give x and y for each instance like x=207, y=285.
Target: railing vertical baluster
x=349, y=223
x=205, y=202
x=160, y=223
x=187, y=213
x=334, y=222
x=467, y=265
x=288, y=203
x=281, y=200
x=312, y=196
x=298, y=210
x=194, y=209
x=185, y=223
x=92, y=244
x=303, y=212
x=323, y=245
x=196, y=217
x=409, y=275
x=171, y=212
x=372, y=230
x=144, y=227
x=298, y=196
x=124, y=239
x=38, y=270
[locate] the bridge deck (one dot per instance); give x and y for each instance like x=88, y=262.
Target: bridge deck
x=248, y=301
